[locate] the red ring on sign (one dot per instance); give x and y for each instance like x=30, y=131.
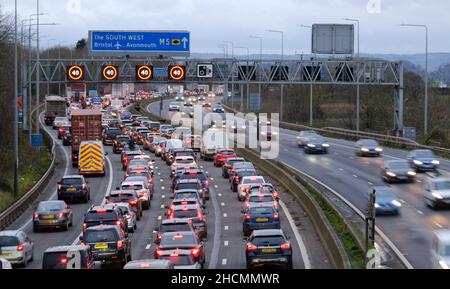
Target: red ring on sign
x=176, y=77
x=75, y=67
x=144, y=67
x=106, y=68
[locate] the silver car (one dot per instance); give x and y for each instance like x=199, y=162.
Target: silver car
x=181, y=259
x=149, y=264
x=127, y=211
x=245, y=184
x=437, y=192
x=16, y=247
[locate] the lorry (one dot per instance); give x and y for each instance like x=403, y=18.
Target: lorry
x=91, y=159
x=86, y=126
x=55, y=106
x=78, y=93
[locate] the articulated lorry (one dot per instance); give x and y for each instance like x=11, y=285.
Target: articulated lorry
x=86, y=126
x=55, y=106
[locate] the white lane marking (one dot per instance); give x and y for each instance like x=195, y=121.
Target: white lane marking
x=161, y=180
x=159, y=218
x=224, y=262
x=438, y=225
x=217, y=233
x=147, y=247
x=225, y=243
x=298, y=237
x=216, y=186
x=370, y=184
x=212, y=179
x=341, y=169
x=355, y=176
x=220, y=194
x=419, y=181
x=225, y=228
x=156, y=168
x=402, y=201
x=352, y=158
x=225, y=215
x=162, y=188
x=163, y=196
x=159, y=174
x=286, y=150
x=420, y=212
x=162, y=206
x=222, y=204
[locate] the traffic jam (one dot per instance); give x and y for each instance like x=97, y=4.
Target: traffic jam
x=108, y=227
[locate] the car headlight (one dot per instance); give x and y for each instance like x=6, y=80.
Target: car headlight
x=325, y=145
x=244, y=127
x=311, y=145
x=263, y=133
x=298, y=137
x=396, y=203
x=418, y=162
x=364, y=149
x=443, y=264
x=437, y=196
x=233, y=127
x=379, y=150
x=411, y=173
x=435, y=162
x=377, y=206
x=391, y=174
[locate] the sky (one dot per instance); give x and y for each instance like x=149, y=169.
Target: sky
x=213, y=21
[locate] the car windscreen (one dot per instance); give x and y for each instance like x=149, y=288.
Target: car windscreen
x=179, y=260
x=96, y=236
x=192, y=186
x=253, y=181
x=123, y=139
x=177, y=240
x=368, y=142
x=50, y=206
x=402, y=165
x=226, y=153
x=113, y=132
x=246, y=173
x=139, y=163
x=261, y=210
x=200, y=176
x=7, y=241
x=71, y=181
x=190, y=213
x=122, y=197
x=94, y=216
x=268, y=240
x=186, y=195
x=184, y=161
x=165, y=228
x=442, y=185
x=424, y=154
x=261, y=199
x=135, y=187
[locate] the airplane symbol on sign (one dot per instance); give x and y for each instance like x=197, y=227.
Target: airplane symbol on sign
x=117, y=45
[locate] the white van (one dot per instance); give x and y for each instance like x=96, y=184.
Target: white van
x=440, y=250
x=213, y=139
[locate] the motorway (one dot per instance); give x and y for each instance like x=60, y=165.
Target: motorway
x=352, y=176
x=225, y=244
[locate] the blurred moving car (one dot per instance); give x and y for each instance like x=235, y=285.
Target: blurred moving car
x=316, y=144
x=437, y=192
x=397, y=170
x=304, y=136
x=368, y=147
x=387, y=202
x=440, y=249
x=423, y=160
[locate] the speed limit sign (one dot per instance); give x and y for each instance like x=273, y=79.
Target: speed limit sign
x=110, y=72
x=177, y=72
x=75, y=72
x=144, y=72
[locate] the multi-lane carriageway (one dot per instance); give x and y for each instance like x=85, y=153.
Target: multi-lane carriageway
x=225, y=244
x=352, y=176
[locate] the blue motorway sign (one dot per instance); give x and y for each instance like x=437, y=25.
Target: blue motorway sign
x=139, y=43
x=36, y=140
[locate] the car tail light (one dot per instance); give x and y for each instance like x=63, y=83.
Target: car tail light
x=251, y=247
x=118, y=223
x=61, y=215
x=206, y=182
x=20, y=248
x=36, y=216
x=133, y=202
x=63, y=260
x=128, y=216
x=243, y=189
x=119, y=244
x=275, y=204
x=84, y=226
x=275, y=216
x=247, y=217
x=158, y=252
x=196, y=252
x=247, y=205
x=275, y=194
x=59, y=187
x=199, y=215
x=84, y=186
x=285, y=246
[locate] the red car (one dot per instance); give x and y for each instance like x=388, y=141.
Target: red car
x=62, y=130
x=222, y=155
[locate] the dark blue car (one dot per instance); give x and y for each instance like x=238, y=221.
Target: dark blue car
x=423, y=160
x=387, y=202
x=261, y=216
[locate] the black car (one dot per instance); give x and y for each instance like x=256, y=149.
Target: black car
x=109, y=135
x=239, y=174
x=52, y=214
x=190, y=184
x=228, y=164
x=119, y=143
x=105, y=215
x=398, y=171
x=173, y=225
x=74, y=187
x=182, y=240
x=67, y=139
x=61, y=257
x=368, y=147
x=195, y=174
x=109, y=244
x=316, y=144
x=268, y=247
x=194, y=213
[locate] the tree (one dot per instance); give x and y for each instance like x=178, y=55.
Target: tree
x=81, y=44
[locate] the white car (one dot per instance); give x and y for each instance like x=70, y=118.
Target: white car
x=245, y=183
x=142, y=190
x=174, y=106
x=186, y=161
x=440, y=249
x=130, y=215
x=437, y=192
x=5, y=264
x=16, y=247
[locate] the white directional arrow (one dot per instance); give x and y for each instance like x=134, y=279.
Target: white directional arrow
x=184, y=40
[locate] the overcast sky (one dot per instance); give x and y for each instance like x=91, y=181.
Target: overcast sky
x=213, y=21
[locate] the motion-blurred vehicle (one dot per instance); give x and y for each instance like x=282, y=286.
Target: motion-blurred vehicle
x=52, y=214
x=304, y=136
x=59, y=257
x=149, y=264
x=268, y=247
x=73, y=187
x=387, y=202
x=423, y=160
x=440, y=249
x=316, y=144
x=397, y=171
x=437, y=192
x=16, y=247
x=368, y=147
x=260, y=216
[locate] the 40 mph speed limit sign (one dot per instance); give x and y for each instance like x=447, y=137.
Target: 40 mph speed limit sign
x=110, y=72
x=75, y=73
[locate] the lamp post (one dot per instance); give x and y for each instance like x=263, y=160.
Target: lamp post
x=260, y=44
x=232, y=77
x=425, y=122
x=232, y=47
x=48, y=63
x=357, y=21
x=310, y=87
x=241, y=86
x=282, y=40
x=16, y=113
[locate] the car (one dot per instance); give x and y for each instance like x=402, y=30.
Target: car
x=228, y=164
x=5, y=264
x=142, y=190
x=266, y=188
x=238, y=175
x=174, y=106
x=182, y=161
x=59, y=257
x=171, y=144
x=267, y=132
x=73, y=187
x=142, y=160
x=237, y=166
x=67, y=139
x=304, y=136
x=62, y=130
x=222, y=155
x=119, y=142
x=190, y=184
x=154, y=126
x=173, y=153
x=440, y=249
x=179, y=98
x=59, y=122
x=316, y=144
x=109, y=244
x=149, y=264
x=368, y=147
x=52, y=214
x=187, y=194
x=437, y=192
x=127, y=156
x=423, y=160
x=255, y=198
x=16, y=247
x=148, y=140
x=184, y=201
x=198, y=174
x=110, y=134
x=260, y=216
x=207, y=104
x=181, y=259
x=164, y=127
x=128, y=212
x=182, y=240
x=397, y=170
x=144, y=178
x=108, y=214
x=245, y=183
x=194, y=213
x=173, y=225
x=268, y=247
x=126, y=196
x=157, y=146
x=218, y=109
x=387, y=202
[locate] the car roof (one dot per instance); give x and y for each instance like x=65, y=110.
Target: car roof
x=148, y=263
x=103, y=207
x=138, y=182
x=189, y=207
x=188, y=181
x=186, y=191
x=10, y=232
x=175, y=221
x=268, y=232
x=169, y=234
x=66, y=248
x=117, y=192
x=73, y=177
x=102, y=227
x=52, y=202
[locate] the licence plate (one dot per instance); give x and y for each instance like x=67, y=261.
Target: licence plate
x=269, y=250
x=101, y=246
x=262, y=219
x=5, y=254
x=49, y=216
x=71, y=189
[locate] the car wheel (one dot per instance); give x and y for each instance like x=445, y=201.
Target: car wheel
x=431, y=204
x=131, y=230
x=86, y=199
x=66, y=226
x=135, y=226
x=71, y=222
x=289, y=264
x=35, y=229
